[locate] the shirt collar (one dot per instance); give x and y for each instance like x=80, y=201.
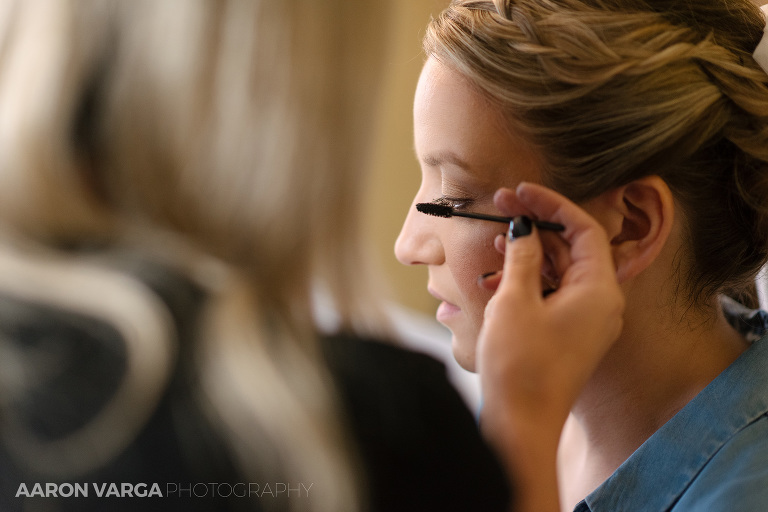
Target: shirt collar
x=729, y=403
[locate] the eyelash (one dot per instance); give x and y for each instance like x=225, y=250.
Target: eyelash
x=457, y=203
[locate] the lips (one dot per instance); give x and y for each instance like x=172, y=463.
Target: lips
x=446, y=310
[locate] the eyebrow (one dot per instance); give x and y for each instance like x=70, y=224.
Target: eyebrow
x=443, y=157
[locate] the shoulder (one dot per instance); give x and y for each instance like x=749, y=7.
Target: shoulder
x=402, y=388
x=353, y=357
x=736, y=478
x=419, y=443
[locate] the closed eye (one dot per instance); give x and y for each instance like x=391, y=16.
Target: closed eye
x=457, y=203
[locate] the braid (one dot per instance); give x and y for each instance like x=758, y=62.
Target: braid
x=610, y=91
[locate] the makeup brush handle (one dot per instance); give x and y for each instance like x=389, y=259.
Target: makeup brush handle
x=541, y=224
x=549, y=226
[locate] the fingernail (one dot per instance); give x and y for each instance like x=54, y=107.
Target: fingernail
x=520, y=226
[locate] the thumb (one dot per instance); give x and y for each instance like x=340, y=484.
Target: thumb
x=522, y=260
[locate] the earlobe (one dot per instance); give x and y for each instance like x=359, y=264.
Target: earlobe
x=642, y=219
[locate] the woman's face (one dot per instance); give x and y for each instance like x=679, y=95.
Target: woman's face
x=466, y=152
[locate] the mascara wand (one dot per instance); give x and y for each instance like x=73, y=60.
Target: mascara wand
x=440, y=210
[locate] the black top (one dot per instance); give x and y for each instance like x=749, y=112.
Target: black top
x=418, y=443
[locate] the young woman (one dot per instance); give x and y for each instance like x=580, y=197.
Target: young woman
x=653, y=117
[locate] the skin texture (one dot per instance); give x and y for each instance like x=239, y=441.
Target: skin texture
x=465, y=152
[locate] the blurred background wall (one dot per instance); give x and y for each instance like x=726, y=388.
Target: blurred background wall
x=396, y=176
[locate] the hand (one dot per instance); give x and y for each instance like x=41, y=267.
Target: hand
x=536, y=346
x=535, y=354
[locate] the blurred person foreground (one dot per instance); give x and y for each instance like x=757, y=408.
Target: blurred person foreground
x=178, y=177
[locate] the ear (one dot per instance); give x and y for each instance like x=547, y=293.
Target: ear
x=638, y=218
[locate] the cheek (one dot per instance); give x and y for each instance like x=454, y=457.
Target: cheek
x=476, y=255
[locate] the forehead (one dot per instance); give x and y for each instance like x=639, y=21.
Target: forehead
x=455, y=124
x=446, y=101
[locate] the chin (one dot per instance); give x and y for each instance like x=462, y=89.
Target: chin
x=464, y=352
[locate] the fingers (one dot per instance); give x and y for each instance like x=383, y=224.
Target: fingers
x=578, y=254
x=491, y=280
x=547, y=266
x=522, y=260
x=537, y=261
x=552, y=206
x=589, y=252
x=530, y=369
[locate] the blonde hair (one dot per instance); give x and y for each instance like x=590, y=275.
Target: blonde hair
x=226, y=140
x=609, y=91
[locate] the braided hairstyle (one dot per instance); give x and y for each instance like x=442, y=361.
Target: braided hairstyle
x=609, y=91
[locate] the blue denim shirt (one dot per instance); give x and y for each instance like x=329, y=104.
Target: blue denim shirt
x=712, y=456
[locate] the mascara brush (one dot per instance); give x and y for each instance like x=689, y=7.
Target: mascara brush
x=445, y=211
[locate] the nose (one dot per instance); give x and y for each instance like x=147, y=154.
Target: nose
x=418, y=242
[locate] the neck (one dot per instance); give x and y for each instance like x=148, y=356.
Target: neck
x=657, y=366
